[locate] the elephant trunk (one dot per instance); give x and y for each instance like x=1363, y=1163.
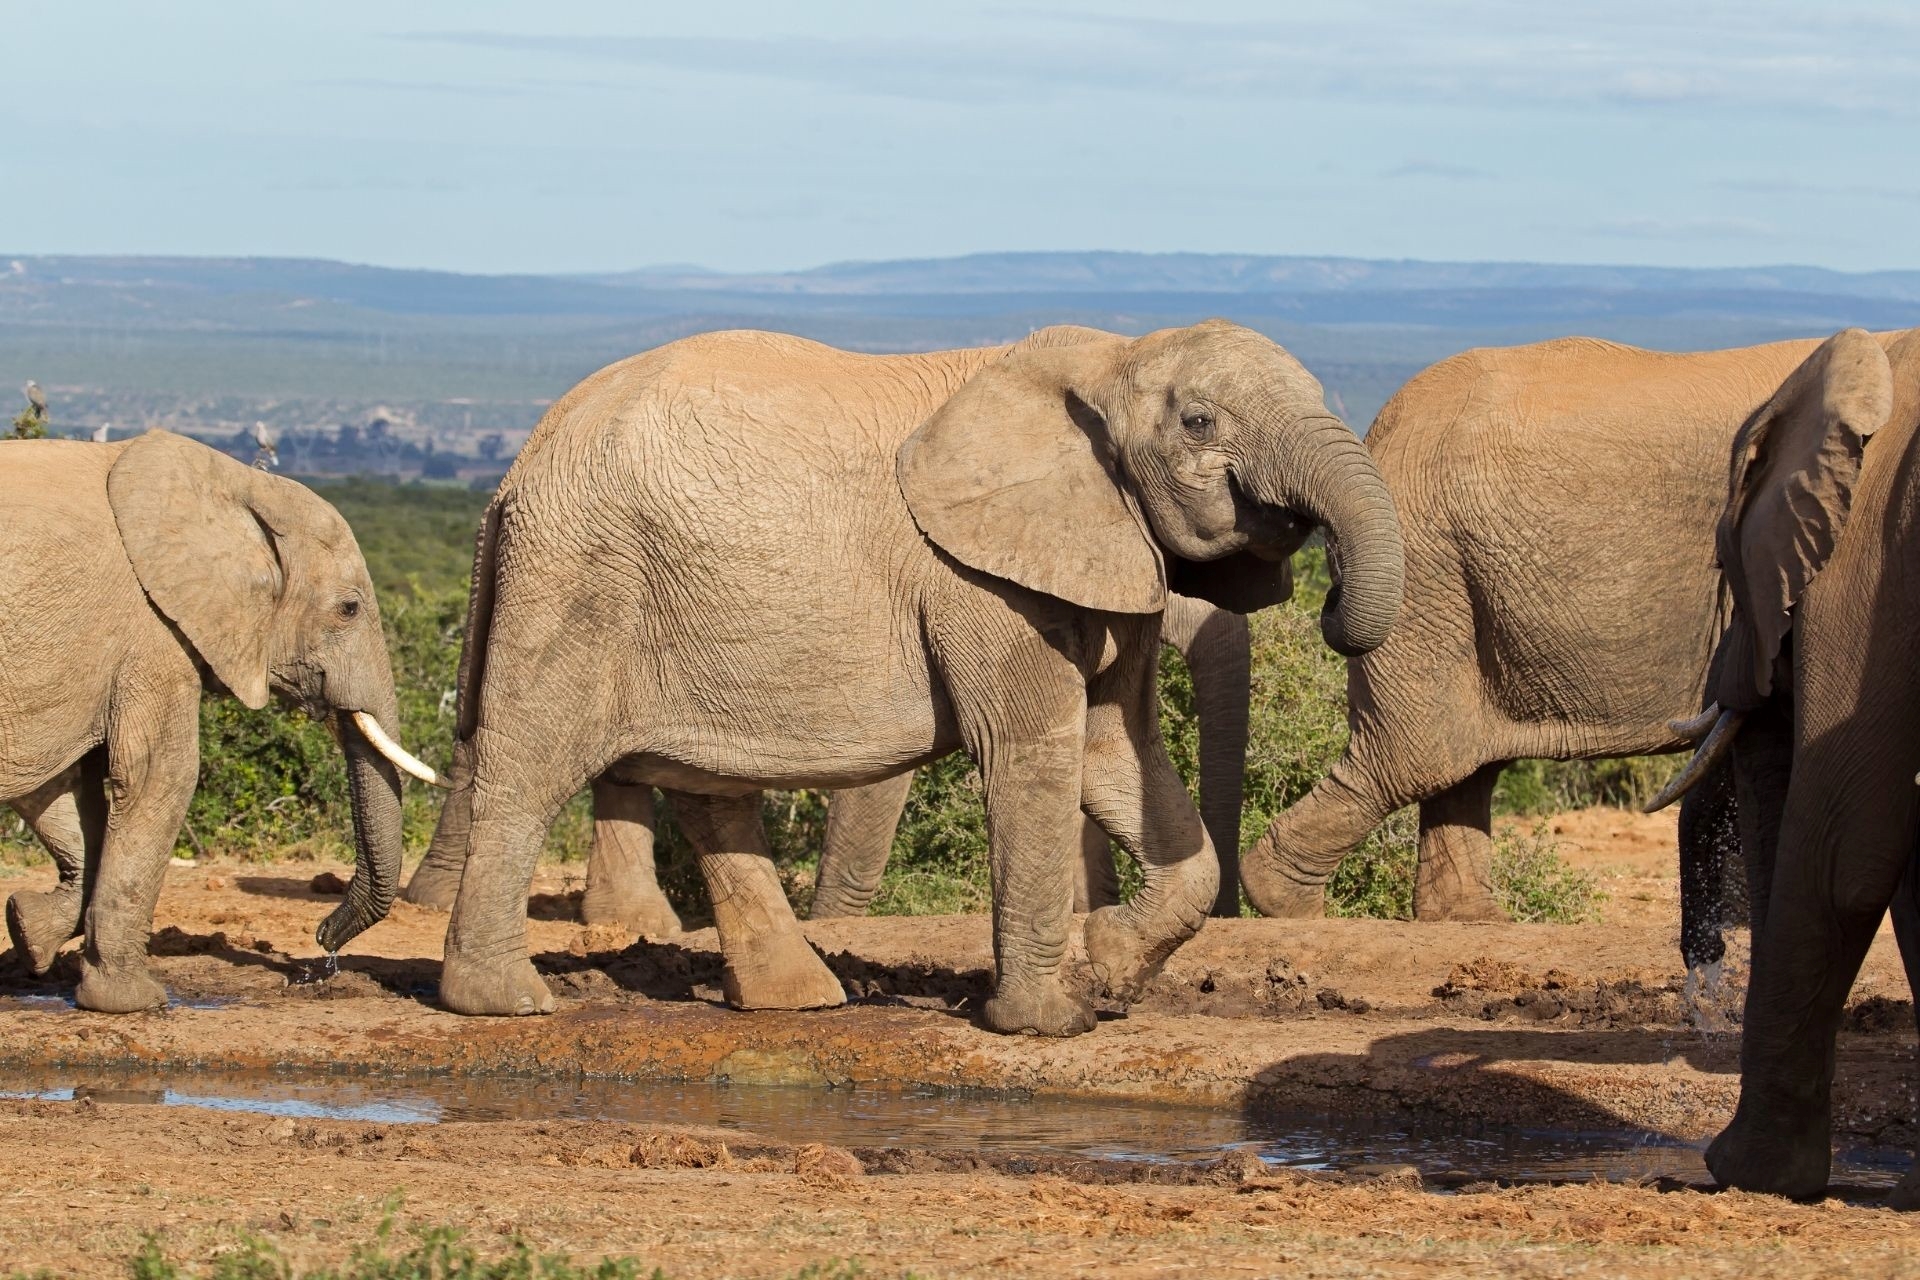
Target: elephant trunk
x=1323, y=472
x=374, y=786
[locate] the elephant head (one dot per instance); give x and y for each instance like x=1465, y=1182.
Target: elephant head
x=265, y=583
x=1107, y=471
x=1790, y=486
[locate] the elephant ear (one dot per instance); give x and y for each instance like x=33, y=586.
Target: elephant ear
x=1239, y=583
x=205, y=557
x=1014, y=476
x=1790, y=486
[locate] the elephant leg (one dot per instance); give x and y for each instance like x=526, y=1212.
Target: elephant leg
x=436, y=881
x=1132, y=789
x=1096, y=881
x=1218, y=648
x=1843, y=849
x=769, y=963
x=860, y=826
x=1454, y=880
x=1709, y=844
x=152, y=784
x=517, y=786
x=623, y=887
x=69, y=815
x=1762, y=776
x=1906, y=930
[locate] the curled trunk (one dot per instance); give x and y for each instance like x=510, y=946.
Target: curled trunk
x=1324, y=473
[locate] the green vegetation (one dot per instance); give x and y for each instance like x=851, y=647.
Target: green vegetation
x=273, y=783
x=29, y=425
x=434, y=1253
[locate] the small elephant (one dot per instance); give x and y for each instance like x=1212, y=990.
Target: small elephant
x=1817, y=705
x=132, y=577
x=1558, y=503
x=745, y=560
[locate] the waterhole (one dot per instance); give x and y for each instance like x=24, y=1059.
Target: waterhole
x=1446, y=1154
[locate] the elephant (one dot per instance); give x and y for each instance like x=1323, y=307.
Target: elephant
x=746, y=560
x=133, y=576
x=1215, y=642
x=1815, y=705
x=623, y=886
x=1558, y=502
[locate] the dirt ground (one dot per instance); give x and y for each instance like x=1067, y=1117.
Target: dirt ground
x=1579, y=1027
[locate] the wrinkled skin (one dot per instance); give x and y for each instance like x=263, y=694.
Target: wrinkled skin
x=780, y=565
x=1820, y=542
x=861, y=822
x=132, y=577
x=1541, y=490
x=623, y=886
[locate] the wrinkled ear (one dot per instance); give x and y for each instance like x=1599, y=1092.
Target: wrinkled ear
x=1014, y=476
x=1790, y=486
x=1239, y=583
x=205, y=559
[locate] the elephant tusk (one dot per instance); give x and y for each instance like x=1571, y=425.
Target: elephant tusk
x=1725, y=727
x=396, y=754
x=1693, y=730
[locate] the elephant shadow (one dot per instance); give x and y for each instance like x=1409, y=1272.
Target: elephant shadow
x=674, y=971
x=1455, y=1078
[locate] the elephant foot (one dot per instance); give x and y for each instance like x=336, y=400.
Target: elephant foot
x=1038, y=1009
x=40, y=924
x=781, y=971
x=1473, y=908
x=1123, y=961
x=1905, y=1197
x=493, y=990
x=432, y=887
x=1280, y=896
x=117, y=990
x=1775, y=1155
x=643, y=914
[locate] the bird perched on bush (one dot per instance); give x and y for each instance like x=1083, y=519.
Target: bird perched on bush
x=265, y=458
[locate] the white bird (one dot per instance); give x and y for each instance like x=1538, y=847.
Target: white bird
x=266, y=458
x=100, y=432
x=36, y=398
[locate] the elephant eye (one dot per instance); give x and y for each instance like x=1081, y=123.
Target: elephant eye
x=1199, y=423
x=349, y=609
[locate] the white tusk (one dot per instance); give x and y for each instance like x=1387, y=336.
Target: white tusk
x=1692, y=730
x=394, y=752
x=1725, y=728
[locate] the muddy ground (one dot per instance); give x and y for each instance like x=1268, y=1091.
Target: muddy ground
x=1574, y=1027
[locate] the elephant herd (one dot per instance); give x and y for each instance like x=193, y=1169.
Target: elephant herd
x=745, y=561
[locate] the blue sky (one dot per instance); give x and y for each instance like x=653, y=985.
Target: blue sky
x=750, y=136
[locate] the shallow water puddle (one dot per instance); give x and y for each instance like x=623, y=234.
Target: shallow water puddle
x=1448, y=1154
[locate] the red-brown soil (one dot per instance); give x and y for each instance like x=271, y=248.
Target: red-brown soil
x=1540, y=1025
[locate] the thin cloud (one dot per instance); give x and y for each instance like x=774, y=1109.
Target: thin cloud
x=1702, y=228
x=1437, y=169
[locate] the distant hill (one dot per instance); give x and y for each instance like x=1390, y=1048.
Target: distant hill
x=445, y=360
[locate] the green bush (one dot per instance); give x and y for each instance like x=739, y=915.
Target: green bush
x=1534, y=884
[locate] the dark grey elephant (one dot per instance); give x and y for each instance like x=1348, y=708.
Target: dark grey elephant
x=132, y=577
x=1817, y=706
x=829, y=568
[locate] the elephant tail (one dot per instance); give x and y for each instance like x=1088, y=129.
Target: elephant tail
x=473, y=648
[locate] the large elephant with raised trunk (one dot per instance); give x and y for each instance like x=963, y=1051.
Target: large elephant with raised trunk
x=745, y=560
x=132, y=577
x=1816, y=704
x=1558, y=503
